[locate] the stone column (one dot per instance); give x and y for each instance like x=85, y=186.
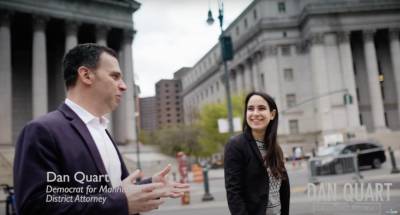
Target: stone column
x=125, y=127
x=250, y=65
x=232, y=79
x=349, y=80
x=320, y=83
x=239, y=79
x=257, y=77
x=256, y=72
x=395, y=54
x=269, y=63
x=71, y=35
x=71, y=40
x=101, y=39
x=270, y=66
x=247, y=77
x=101, y=34
x=373, y=81
x=5, y=80
x=39, y=67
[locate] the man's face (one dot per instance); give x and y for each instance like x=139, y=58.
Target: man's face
x=108, y=85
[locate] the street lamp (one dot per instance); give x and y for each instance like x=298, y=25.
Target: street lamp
x=226, y=54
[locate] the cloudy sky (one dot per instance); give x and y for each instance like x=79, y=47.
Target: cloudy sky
x=172, y=34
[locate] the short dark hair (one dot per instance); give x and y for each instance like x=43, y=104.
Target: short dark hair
x=87, y=54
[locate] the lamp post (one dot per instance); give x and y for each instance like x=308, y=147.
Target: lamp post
x=226, y=54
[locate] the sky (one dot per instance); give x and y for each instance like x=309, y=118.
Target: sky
x=172, y=34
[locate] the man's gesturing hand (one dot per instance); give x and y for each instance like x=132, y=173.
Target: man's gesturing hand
x=172, y=189
x=142, y=198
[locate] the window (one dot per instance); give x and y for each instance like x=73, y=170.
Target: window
x=168, y=115
x=281, y=7
x=255, y=14
x=354, y=67
x=217, y=86
x=293, y=126
x=212, y=89
x=178, y=109
x=285, y=49
x=237, y=30
x=288, y=74
x=245, y=23
x=262, y=81
x=386, y=120
x=361, y=119
x=166, y=84
x=291, y=100
x=284, y=34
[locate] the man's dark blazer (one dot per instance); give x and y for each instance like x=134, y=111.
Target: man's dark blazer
x=246, y=180
x=60, y=142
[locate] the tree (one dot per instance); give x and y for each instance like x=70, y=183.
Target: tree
x=202, y=138
x=210, y=140
x=171, y=140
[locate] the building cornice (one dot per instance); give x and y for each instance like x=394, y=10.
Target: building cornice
x=295, y=22
x=100, y=12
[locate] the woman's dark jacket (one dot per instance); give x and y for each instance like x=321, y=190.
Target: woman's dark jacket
x=246, y=181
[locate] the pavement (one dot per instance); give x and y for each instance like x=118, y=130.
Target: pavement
x=303, y=201
x=153, y=161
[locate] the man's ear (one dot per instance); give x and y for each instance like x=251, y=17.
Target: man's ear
x=85, y=75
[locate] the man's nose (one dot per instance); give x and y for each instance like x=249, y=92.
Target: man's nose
x=122, y=86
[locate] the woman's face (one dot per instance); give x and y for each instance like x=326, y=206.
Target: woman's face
x=258, y=113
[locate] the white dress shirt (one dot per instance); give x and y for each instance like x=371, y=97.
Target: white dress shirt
x=97, y=128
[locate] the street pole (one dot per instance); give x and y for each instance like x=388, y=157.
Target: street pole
x=137, y=149
x=228, y=98
x=226, y=72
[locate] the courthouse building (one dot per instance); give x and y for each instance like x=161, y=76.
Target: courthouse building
x=333, y=68
x=35, y=35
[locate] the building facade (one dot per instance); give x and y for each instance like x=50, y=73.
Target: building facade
x=169, y=101
x=148, y=113
x=333, y=67
x=35, y=35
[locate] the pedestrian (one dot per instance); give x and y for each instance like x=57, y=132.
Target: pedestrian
x=66, y=162
x=256, y=179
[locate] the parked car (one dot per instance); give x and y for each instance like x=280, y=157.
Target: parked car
x=339, y=159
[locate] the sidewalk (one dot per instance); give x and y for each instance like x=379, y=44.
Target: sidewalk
x=298, y=194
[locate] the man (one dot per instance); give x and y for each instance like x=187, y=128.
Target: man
x=67, y=163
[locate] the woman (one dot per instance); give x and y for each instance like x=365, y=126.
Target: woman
x=256, y=180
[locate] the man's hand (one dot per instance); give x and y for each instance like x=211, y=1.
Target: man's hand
x=172, y=189
x=145, y=197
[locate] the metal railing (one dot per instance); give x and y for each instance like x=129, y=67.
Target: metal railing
x=340, y=164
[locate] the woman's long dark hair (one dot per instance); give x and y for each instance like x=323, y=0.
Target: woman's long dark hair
x=274, y=157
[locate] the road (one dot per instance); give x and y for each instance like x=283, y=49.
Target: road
x=301, y=203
